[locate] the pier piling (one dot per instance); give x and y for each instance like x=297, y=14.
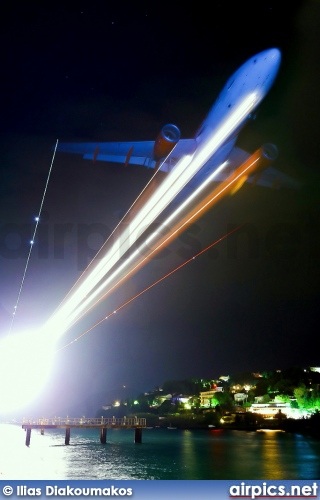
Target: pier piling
x=103, y=435
x=138, y=435
x=67, y=438
x=28, y=437
x=101, y=424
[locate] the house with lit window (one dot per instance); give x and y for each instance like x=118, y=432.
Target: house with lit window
x=207, y=396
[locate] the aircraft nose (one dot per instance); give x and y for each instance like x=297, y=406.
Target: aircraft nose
x=275, y=56
x=270, y=60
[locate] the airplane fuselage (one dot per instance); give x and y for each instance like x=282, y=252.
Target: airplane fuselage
x=250, y=82
x=191, y=162
x=253, y=79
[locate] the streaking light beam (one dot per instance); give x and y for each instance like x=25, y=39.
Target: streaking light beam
x=150, y=286
x=167, y=191
x=144, y=252
x=37, y=220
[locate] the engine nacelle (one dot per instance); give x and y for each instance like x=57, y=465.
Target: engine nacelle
x=166, y=141
x=269, y=151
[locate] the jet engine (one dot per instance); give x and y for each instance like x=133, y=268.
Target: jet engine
x=166, y=141
x=269, y=151
x=257, y=162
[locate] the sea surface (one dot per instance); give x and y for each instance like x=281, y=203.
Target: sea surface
x=163, y=454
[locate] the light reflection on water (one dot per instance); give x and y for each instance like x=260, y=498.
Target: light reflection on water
x=163, y=454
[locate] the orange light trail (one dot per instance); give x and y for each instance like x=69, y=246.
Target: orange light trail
x=229, y=185
x=146, y=192
x=185, y=169
x=150, y=286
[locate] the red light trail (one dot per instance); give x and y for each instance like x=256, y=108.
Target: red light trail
x=151, y=286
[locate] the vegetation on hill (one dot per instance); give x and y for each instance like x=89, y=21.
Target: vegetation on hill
x=178, y=402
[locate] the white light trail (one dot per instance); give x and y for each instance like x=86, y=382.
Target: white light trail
x=37, y=219
x=137, y=226
x=139, y=252
x=176, y=180
x=149, y=183
x=142, y=254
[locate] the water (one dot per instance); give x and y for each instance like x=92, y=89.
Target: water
x=163, y=454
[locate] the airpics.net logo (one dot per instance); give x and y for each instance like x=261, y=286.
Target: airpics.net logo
x=81, y=242
x=266, y=490
x=67, y=491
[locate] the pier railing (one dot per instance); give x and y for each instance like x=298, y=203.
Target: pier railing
x=68, y=423
x=102, y=421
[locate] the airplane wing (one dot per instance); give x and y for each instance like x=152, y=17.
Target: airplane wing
x=141, y=153
x=127, y=153
x=269, y=177
x=215, y=140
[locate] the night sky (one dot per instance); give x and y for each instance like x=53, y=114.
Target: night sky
x=105, y=71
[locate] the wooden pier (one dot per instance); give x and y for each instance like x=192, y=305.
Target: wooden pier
x=101, y=424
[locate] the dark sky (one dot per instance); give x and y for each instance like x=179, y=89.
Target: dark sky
x=105, y=71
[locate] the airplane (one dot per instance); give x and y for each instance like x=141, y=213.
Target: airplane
x=192, y=168
x=235, y=105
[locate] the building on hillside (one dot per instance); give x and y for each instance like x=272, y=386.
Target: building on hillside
x=273, y=410
x=270, y=410
x=240, y=397
x=206, y=397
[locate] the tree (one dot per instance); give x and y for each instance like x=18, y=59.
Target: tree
x=261, y=387
x=282, y=398
x=214, y=402
x=166, y=408
x=300, y=393
x=225, y=400
x=265, y=398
